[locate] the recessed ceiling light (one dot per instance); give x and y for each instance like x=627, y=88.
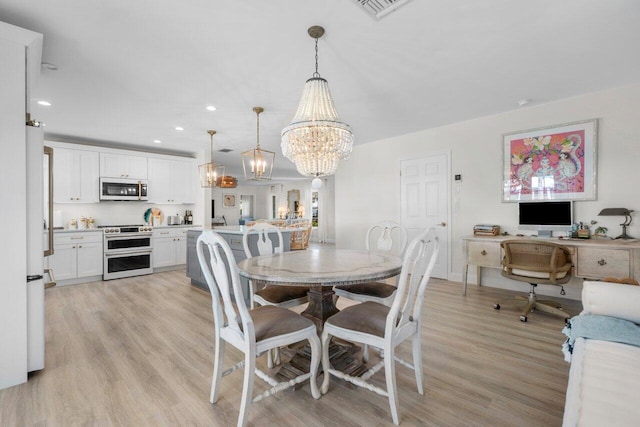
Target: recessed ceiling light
x=179, y=128
x=211, y=108
x=524, y=102
x=157, y=141
x=44, y=103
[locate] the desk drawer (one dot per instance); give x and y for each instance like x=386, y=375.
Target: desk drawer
x=484, y=254
x=598, y=263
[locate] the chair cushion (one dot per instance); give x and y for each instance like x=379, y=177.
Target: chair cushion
x=277, y=294
x=270, y=321
x=375, y=289
x=537, y=274
x=369, y=317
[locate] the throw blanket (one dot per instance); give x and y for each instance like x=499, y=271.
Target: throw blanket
x=597, y=327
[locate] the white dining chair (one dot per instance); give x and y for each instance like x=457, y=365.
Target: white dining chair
x=385, y=327
x=252, y=331
x=279, y=295
x=387, y=237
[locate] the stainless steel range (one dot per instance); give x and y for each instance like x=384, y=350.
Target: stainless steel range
x=128, y=251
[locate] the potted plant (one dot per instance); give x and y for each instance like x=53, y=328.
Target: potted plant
x=601, y=232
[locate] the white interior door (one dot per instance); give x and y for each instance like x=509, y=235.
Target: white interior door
x=424, y=203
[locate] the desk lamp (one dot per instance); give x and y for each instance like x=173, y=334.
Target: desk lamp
x=620, y=212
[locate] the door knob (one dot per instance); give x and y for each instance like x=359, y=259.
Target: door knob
x=444, y=224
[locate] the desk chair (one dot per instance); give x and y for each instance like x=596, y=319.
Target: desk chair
x=277, y=295
x=537, y=262
x=253, y=331
x=383, y=233
x=378, y=325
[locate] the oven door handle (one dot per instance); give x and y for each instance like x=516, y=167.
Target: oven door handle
x=128, y=253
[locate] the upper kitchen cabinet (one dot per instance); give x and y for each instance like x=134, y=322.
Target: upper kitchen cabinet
x=75, y=176
x=172, y=181
x=123, y=166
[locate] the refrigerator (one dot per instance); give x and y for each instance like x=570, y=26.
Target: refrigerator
x=36, y=235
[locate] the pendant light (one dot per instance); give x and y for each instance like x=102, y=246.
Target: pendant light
x=210, y=173
x=258, y=163
x=316, y=140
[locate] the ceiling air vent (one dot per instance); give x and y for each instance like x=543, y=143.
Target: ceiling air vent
x=225, y=150
x=378, y=9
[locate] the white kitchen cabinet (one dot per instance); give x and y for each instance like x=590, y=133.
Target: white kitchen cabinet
x=75, y=178
x=123, y=166
x=181, y=248
x=64, y=261
x=77, y=255
x=172, y=181
x=169, y=246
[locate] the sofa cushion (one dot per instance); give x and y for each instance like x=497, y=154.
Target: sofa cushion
x=611, y=299
x=604, y=384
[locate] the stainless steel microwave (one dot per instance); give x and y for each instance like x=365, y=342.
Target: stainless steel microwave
x=123, y=189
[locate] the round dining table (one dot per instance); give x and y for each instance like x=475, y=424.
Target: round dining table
x=321, y=270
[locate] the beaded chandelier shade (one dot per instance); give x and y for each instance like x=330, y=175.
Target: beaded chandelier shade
x=316, y=140
x=211, y=174
x=258, y=163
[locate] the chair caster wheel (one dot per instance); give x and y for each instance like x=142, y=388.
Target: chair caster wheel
x=496, y=306
x=523, y=318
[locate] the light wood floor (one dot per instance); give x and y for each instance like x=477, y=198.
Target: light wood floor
x=139, y=351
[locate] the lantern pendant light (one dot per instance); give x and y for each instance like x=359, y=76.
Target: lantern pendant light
x=258, y=163
x=210, y=173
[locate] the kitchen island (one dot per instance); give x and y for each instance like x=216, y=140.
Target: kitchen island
x=233, y=236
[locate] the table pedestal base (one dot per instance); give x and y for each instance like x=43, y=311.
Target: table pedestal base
x=321, y=305
x=343, y=356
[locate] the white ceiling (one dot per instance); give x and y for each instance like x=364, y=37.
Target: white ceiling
x=131, y=71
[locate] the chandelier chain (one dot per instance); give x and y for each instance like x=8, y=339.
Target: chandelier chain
x=258, y=130
x=316, y=74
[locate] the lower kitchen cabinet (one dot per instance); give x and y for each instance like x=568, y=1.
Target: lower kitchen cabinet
x=169, y=247
x=77, y=255
x=233, y=236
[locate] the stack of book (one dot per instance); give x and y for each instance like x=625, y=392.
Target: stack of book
x=486, y=230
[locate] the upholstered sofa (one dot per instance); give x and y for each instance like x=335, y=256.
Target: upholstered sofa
x=604, y=378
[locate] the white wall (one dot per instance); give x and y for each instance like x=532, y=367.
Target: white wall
x=368, y=185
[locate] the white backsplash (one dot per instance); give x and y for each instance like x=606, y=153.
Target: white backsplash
x=113, y=213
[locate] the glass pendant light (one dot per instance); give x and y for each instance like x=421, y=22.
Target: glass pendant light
x=316, y=140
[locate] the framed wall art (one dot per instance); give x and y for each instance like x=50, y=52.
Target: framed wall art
x=229, y=201
x=551, y=163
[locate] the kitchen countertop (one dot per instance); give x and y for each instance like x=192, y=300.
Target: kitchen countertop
x=83, y=230
x=239, y=229
x=87, y=230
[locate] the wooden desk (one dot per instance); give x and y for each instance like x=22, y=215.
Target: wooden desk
x=592, y=258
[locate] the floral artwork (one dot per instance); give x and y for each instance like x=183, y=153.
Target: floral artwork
x=552, y=163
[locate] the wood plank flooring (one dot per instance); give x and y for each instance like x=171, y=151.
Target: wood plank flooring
x=139, y=351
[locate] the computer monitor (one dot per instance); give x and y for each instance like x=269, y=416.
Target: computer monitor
x=545, y=217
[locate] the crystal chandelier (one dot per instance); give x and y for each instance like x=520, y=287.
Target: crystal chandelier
x=211, y=174
x=258, y=163
x=316, y=140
